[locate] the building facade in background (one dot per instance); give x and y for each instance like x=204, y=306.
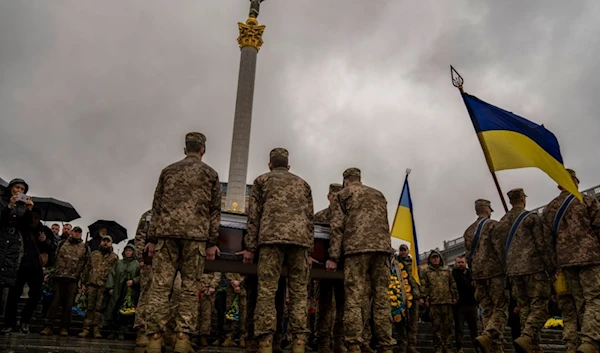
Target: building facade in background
x=456, y=247
x=224, y=197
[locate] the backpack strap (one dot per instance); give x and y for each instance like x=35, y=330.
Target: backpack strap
x=561, y=213
x=476, y=237
x=513, y=231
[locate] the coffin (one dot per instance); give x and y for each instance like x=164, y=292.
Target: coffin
x=231, y=240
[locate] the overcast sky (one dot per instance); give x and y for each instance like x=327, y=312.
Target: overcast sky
x=96, y=97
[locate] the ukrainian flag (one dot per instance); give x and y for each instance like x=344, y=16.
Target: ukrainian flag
x=512, y=142
x=403, y=227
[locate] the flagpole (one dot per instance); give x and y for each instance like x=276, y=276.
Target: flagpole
x=458, y=81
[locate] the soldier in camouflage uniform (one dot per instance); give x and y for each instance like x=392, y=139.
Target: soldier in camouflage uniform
x=327, y=290
x=527, y=257
x=360, y=233
x=210, y=283
x=440, y=294
x=577, y=239
x=71, y=257
x=141, y=318
x=489, y=277
x=235, y=328
x=408, y=328
x=280, y=222
x=571, y=319
x=186, y=215
x=94, y=279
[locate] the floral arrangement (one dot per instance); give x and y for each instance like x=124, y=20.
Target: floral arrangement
x=128, y=307
x=48, y=282
x=80, y=306
x=553, y=323
x=399, y=291
x=233, y=314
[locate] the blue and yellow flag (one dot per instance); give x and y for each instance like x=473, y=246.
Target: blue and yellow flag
x=513, y=142
x=403, y=227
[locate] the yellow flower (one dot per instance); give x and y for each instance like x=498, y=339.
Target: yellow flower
x=397, y=318
x=407, y=288
x=409, y=296
x=404, y=274
x=400, y=266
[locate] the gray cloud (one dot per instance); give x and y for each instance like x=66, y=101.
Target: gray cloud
x=95, y=97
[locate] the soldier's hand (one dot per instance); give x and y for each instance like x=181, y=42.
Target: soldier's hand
x=211, y=291
x=82, y=288
x=150, y=247
x=212, y=253
x=311, y=261
x=454, y=301
x=110, y=292
x=129, y=283
x=421, y=302
x=248, y=256
x=236, y=283
x=237, y=289
x=331, y=265
x=142, y=265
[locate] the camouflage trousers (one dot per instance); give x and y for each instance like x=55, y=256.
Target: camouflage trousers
x=93, y=315
x=584, y=284
x=207, y=304
x=493, y=298
x=571, y=319
x=141, y=313
x=532, y=293
x=407, y=328
x=442, y=325
x=169, y=254
x=356, y=269
x=270, y=261
x=251, y=288
x=174, y=302
x=330, y=317
x=237, y=328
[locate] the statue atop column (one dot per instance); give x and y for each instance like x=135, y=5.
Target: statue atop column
x=255, y=8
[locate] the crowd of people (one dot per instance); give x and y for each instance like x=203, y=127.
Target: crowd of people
x=161, y=275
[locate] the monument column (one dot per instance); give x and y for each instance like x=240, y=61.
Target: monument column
x=250, y=41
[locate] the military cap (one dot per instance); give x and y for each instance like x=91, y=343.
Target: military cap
x=77, y=229
x=515, y=194
x=106, y=236
x=351, y=172
x=482, y=202
x=573, y=174
x=279, y=152
x=195, y=137
x=403, y=247
x=333, y=188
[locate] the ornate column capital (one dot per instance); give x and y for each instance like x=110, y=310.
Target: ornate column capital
x=250, y=34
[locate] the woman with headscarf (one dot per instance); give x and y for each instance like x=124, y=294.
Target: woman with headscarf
x=15, y=217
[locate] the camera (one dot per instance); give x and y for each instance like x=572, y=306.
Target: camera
x=23, y=198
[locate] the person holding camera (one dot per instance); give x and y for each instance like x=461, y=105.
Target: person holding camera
x=15, y=217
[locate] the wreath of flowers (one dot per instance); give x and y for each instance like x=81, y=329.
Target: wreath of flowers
x=399, y=291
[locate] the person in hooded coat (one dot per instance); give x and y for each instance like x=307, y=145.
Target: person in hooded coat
x=124, y=275
x=15, y=218
x=441, y=294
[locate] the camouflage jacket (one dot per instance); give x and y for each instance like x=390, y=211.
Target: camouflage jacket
x=71, y=258
x=530, y=250
x=98, y=268
x=438, y=284
x=323, y=216
x=415, y=288
x=141, y=234
x=486, y=261
x=359, y=222
x=578, y=238
x=280, y=211
x=187, y=203
x=210, y=280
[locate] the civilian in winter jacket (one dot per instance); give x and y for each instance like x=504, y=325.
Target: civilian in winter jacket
x=15, y=217
x=466, y=309
x=94, y=282
x=37, y=244
x=71, y=257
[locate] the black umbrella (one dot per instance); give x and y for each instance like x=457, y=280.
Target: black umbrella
x=55, y=210
x=117, y=232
